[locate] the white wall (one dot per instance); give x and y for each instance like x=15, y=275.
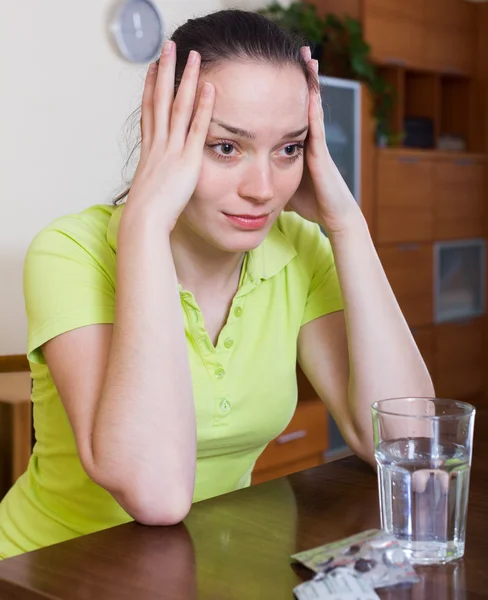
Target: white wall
x=65, y=95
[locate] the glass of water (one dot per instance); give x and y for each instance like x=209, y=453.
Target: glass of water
x=423, y=448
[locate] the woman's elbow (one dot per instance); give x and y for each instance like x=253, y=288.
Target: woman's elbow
x=152, y=507
x=360, y=441
x=161, y=516
x=149, y=504
x=364, y=450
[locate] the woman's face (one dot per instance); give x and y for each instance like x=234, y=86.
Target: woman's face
x=253, y=157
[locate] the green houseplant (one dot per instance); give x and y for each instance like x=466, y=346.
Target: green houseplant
x=340, y=47
x=299, y=18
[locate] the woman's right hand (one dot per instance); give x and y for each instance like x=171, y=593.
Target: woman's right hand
x=172, y=142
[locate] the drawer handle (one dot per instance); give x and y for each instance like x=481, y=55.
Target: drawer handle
x=448, y=70
x=399, y=62
x=409, y=159
x=464, y=321
x=292, y=436
x=464, y=162
x=408, y=247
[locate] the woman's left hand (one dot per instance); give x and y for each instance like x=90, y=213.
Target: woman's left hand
x=322, y=196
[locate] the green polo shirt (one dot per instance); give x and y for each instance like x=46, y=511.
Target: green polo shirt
x=245, y=388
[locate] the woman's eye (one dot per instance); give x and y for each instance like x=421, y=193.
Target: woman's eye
x=222, y=150
x=228, y=151
x=225, y=148
x=293, y=151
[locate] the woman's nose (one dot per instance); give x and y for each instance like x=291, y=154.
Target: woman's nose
x=257, y=184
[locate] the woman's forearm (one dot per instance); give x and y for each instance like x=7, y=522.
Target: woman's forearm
x=144, y=436
x=384, y=359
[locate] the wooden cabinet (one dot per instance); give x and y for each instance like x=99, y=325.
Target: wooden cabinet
x=409, y=271
x=404, y=199
x=450, y=51
x=453, y=353
x=425, y=339
x=413, y=9
x=429, y=34
x=450, y=38
x=459, y=198
x=451, y=14
x=301, y=445
x=394, y=30
x=15, y=427
x=422, y=197
x=283, y=469
x=459, y=362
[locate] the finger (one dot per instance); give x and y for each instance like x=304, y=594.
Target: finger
x=421, y=478
x=185, y=101
x=147, y=114
x=201, y=121
x=316, y=133
x=306, y=53
x=316, y=143
x=164, y=91
x=314, y=65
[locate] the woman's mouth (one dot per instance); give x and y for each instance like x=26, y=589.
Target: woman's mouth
x=248, y=221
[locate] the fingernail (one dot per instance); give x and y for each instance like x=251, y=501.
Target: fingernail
x=167, y=47
x=207, y=89
x=192, y=57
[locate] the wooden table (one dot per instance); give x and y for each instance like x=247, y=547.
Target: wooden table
x=238, y=546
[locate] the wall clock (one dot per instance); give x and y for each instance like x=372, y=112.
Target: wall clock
x=137, y=30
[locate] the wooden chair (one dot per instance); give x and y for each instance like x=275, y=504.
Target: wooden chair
x=16, y=434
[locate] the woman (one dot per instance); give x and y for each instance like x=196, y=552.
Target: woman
x=164, y=332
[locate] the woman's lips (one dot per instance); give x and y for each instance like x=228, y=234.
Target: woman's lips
x=248, y=221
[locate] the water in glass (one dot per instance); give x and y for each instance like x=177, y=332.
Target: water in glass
x=423, y=496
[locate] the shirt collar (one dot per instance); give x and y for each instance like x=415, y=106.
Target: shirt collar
x=271, y=256
x=265, y=261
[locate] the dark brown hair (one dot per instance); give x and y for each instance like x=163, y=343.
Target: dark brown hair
x=232, y=35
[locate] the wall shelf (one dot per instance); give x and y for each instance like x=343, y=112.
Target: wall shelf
x=450, y=102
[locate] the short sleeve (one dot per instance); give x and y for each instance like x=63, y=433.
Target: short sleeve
x=324, y=294
x=69, y=282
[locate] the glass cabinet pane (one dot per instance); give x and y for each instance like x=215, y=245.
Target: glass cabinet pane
x=341, y=104
x=459, y=274
x=342, y=118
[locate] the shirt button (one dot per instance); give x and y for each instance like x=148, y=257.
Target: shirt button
x=225, y=406
x=238, y=311
x=219, y=373
x=228, y=343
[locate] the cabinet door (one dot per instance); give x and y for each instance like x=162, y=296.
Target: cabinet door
x=459, y=365
x=459, y=198
x=404, y=199
x=409, y=271
x=453, y=14
x=449, y=50
x=393, y=39
x=413, y=9
x=424, y=338
x=459, y=279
